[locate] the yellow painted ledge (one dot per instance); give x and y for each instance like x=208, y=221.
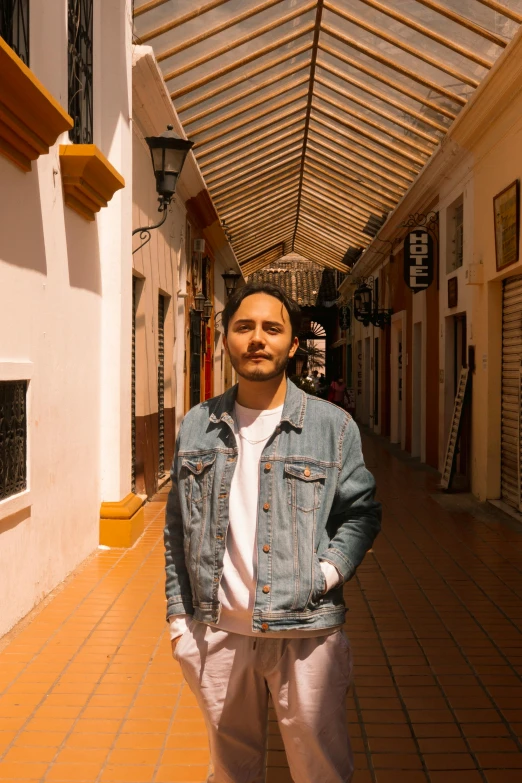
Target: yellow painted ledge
x=89, y=180
x=30, y=118
x=122, y=523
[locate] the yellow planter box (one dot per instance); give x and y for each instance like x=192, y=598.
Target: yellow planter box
x=30, y=118
x=122, y=523
x=89, y=180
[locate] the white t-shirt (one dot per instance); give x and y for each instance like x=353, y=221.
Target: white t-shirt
x=237, y=588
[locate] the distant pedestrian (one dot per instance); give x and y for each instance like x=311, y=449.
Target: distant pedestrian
x=337, y=392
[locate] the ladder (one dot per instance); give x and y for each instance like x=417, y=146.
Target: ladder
x=460, y=401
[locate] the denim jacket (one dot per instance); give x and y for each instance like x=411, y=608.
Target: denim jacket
x=316, y=502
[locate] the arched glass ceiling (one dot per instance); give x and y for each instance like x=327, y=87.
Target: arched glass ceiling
x=311, y=118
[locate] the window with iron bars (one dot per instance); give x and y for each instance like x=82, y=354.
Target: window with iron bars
x=80, y=28
x=14, y=26
x=13, y=438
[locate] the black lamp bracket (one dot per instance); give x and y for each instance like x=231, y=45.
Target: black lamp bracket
x=144, y=231
x=378, y=316
x=427, y=220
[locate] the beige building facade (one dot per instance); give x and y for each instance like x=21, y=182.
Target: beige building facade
x=471, y=315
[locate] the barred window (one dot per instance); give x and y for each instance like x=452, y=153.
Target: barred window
x=13, y=438
x=14, y=26
x=80, y=24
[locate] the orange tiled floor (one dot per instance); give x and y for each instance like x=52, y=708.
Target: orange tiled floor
x=89, y=690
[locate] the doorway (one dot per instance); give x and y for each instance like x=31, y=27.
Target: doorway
x=416, y=424
x=397, y=391
x=367, y=385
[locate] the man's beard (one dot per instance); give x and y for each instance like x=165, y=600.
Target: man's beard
x=258, y=374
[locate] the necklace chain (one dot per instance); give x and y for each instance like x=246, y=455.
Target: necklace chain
x=244, y=437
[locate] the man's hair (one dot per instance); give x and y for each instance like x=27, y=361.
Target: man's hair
x=233, y=304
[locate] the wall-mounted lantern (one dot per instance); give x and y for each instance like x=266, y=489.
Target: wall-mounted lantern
x=207, y=310
x=364, y=311
x=168, y=152
x=231, y=279
x=199, y=302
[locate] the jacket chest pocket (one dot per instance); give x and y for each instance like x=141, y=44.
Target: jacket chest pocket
x=305, y=484
x=199, y=474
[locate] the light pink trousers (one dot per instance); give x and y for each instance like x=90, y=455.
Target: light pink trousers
x=232, y=675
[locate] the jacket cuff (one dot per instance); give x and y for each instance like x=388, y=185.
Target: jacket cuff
x=345, y=567
x=179, y=605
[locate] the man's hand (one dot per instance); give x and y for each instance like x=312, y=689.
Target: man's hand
x=174, y=643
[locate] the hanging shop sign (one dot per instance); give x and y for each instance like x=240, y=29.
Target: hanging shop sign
x=418, y=259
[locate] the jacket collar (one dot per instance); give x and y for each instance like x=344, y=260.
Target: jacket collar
x=294, y=407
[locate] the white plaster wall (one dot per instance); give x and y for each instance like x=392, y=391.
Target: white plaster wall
x=55, y=271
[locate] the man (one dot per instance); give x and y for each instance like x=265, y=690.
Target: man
x=271, y=510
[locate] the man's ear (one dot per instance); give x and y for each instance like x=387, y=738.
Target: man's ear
x=295, y=346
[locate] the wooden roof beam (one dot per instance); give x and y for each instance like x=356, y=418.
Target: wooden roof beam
x=379, y=126
x=381, y=77
x=368, y=172
x=258, y=32
x=394, y=148
x=383, y=96
x=461, y=20
x=259, y=209
x=254, y=89
x=332, y=195
x=405, y=171
x=151, y=5
x=386, y=199
x=249, y=168
x=501, y=9
x=394, y=41
x=254, y=176
x=429, y=33
x=265, y=181
x=333, y=174
x=251, y=119
x=377, y=110
x=282, y=230
x=186, y=43
x=322, y=137
x=259, y=191
x=249, y=133
x=391, y=63
x=283, y=140
x=259, y=101
x=332, y=215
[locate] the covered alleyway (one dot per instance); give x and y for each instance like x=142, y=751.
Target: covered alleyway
x=89, y=690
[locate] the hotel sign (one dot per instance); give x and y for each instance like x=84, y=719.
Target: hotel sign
x=418, y=259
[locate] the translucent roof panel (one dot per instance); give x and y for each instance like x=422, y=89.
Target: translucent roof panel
x=311, y=118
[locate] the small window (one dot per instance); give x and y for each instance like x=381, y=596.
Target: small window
x=13, y=438
x=80, y=30
x=14, y=26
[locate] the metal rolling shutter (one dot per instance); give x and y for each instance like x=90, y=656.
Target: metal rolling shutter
x=511, y=382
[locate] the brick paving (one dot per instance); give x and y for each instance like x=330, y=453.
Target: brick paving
x=89, y=690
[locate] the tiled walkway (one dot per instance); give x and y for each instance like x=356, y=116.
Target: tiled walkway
x=89, y=690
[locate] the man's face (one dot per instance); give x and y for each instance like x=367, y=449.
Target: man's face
x=259, y=339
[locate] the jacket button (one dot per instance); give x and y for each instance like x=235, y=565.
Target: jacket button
x=266, y=548
x=266, y=589
x=266, y=506
x=264, y=627
x=306, y=471
x=199, y=466
x=268, y=466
